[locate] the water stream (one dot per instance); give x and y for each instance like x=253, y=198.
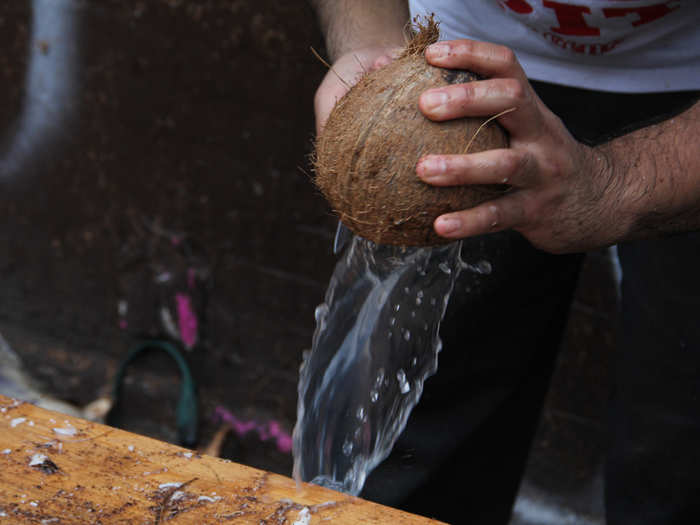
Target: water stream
x=376, y=341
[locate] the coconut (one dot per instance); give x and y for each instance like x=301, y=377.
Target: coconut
x=365, y=158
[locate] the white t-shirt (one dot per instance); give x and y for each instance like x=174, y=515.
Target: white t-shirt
x=608, y=45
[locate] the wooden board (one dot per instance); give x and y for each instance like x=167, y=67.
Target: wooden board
x=63, y=470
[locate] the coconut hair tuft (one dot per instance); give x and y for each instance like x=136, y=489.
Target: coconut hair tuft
x=424, y=31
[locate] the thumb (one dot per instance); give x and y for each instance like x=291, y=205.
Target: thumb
x=324, y=101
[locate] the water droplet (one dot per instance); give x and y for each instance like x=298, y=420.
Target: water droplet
x=403, y=384
x=380, y=378
x=406, y=289
x=360, y=414
x=392, y=321
x=397, y=307
x=373, y=396
x=484, y=267
x=413, y=313
x=445, y=268
x=320, y=312
x=433, y=301
x=347, y=447
x=414, y=361
x=407, y=335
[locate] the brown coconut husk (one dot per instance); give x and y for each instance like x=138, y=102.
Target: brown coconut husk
x=366, y=156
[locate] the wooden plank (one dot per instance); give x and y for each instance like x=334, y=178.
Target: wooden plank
x=64, y=470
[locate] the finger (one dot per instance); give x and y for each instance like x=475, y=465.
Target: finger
x=381, y=61
x=490, y=60
x=484, y=98
x=323, y=111
x=386, y=59
x=499, y=214
x=497, y=166
x=327, y=95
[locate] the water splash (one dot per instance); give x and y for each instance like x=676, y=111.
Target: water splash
x=376, y=342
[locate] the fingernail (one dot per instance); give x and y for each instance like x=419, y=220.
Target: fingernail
x=437, y=51
x=448, y=225
x=434, y=99
x=429, y=167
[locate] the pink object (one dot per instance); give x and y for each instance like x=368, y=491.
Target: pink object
x=187, y=320
x=123, y=324
x=266, y=431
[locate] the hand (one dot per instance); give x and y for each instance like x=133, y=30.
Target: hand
x=346, y=72
x=563, y=195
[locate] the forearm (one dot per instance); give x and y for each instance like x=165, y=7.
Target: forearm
x=659, y=167
x=355, y=24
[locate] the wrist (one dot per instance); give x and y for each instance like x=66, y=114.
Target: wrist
x=630, y=191
x=658, y=194
x=351, y=25
x=614, y=194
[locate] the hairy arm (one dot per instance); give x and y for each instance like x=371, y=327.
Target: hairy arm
x=355, y=24
x=659, y=168
x=564, y=196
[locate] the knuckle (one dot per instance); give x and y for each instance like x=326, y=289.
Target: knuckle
x=516, y=91
x=380, y=62
x=526, y=168
x=512, y=162
x=467, y=91
x=506, y=55
x=493, y=216
x=462, y=47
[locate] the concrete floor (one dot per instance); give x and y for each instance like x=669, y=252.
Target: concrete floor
x=154, y=148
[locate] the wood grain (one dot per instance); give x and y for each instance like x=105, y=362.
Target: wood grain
x=64, y=470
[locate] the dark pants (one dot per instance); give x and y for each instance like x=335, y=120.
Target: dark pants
x=465, y=446
x=462, y=454
x=653, y=467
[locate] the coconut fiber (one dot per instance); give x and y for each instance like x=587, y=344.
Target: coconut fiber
x=366, y=156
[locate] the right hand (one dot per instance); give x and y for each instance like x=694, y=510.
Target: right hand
x=349, y=67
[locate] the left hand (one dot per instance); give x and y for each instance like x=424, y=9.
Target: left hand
x=563, y=195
